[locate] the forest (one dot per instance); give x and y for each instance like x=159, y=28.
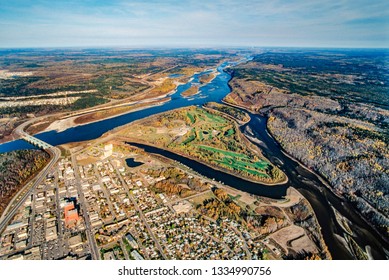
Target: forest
x=45, y=78
x=16, y=168
x=328, y=109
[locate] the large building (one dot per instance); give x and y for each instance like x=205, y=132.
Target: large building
x=108, y=150
x=71, y=214
x=131, y=241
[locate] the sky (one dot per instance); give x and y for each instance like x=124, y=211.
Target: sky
x=187, y=23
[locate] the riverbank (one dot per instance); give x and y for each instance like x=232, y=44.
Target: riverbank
x=239, y=190
x=98, y=114
x=215, y=167
x=280, y=220
x=322, y=179
x=64, y=124
x=206, y=135
x=215, y=92
x=329, y=187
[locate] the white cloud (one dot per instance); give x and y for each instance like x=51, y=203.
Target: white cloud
x=225, y=22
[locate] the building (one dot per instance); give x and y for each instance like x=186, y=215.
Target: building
x=71, y=214
x=51, y=233
x=135, y=254
x=75, y=241
x=131, y=241
x=108, y=150
x=16, y=225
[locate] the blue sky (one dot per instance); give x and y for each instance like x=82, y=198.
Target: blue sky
x=187, y=23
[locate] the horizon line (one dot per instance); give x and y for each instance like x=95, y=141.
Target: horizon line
x=145, y=47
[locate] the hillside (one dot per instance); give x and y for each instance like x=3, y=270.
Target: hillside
x=314, y=115
x=16, y=168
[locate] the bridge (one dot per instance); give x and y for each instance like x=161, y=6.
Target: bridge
x=19, y=198
x=36, y=142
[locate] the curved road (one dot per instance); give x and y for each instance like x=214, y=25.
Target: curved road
x=10, y=211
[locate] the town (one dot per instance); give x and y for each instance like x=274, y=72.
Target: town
x=111, y=201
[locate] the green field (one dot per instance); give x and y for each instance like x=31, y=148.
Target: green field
x=238, y=162
x=204, y=135
x=214, y=139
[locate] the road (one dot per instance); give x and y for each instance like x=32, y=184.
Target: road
x=141, y=216
x=60, y=223
x=55, y=155
x=18, y=132
x=105, y=192
x=88, y=228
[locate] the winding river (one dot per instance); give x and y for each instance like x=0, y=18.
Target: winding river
x=319, y=196
x=307, y=182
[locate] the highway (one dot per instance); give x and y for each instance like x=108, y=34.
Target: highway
x=55, y=155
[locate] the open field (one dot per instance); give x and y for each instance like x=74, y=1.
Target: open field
x=211, y=138
x=42, y=82
x=293, y=239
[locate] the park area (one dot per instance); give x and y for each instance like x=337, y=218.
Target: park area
x=208, y=136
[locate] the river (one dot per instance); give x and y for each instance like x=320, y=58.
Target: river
x=304, y=180
x=319, y=196
x=213, y=91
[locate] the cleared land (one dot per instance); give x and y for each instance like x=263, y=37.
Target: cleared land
x=208, y=137
x=44, y=82
x=293, y=239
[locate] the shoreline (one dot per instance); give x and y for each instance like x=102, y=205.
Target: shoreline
x=322, y=179
x=301, y=164
x=279, y=202
x=135, y=140
x=239, y=122
x=187, y=93
x=66, y=122
x=64, y=126
x=116, y=129
x=160, y=101
x=214, y=74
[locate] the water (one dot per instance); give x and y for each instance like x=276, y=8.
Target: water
x=214, y=91
x=305, y=181
x=319, y=196
x=277, y=191
x=132, y=163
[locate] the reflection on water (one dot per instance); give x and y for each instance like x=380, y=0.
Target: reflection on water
x=132, y=163
x=213, y=91
x=304, y=180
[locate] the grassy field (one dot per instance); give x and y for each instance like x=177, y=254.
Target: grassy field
x=238, y=161
x=210, y=138
x=235, y=113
